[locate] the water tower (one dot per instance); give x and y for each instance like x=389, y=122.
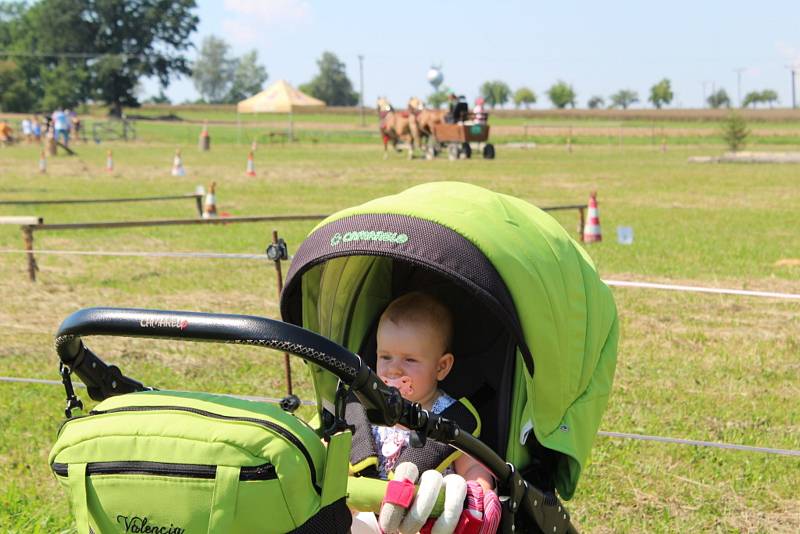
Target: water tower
x=435, y=77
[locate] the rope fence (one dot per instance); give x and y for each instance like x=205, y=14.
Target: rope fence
x=616, y=435
x=262, y=257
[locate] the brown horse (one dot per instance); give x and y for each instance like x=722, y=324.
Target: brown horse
x=426, y=119
x=397, y=126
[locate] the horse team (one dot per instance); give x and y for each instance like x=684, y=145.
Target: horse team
x=413, y=126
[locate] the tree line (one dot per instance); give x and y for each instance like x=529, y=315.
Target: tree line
x=562, y=95
x=62, y=53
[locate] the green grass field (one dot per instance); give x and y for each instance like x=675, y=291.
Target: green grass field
x=717, y=368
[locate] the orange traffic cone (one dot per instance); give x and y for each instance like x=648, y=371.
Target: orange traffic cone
x=251, y=166
x=109, y=162
x=42, y=163
x=205, y=140
x=210, y=204
x=591, y=231
x=177, y=165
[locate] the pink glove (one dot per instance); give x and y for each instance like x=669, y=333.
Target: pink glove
x=492, y=512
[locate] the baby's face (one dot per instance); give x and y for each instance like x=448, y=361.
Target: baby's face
x=413, y=351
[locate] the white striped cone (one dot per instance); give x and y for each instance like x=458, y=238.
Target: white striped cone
x=177, y=165
x=210, y=203
x=251, y=165
x=109, y=162
x=591, y=231
x=42, y=163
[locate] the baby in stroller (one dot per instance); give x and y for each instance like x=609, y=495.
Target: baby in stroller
x=414, y=340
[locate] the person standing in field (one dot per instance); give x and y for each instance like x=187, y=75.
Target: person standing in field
x=74, y=124
x=36, y=129
x=27, y=129
x=61, y=126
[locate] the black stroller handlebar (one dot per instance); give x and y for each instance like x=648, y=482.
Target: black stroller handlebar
x=383, y=403
x=104, y=380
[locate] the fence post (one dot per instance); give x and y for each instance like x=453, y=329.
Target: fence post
x=581, y=222
x=277, y=251
x=27, y=236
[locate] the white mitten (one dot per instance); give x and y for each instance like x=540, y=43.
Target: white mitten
x=399, y=496
x=429, y=485
x=455, y=491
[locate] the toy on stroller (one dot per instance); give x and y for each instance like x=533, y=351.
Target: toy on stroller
x=536, y=338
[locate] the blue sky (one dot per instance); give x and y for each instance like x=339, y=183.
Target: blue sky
x=598, y=47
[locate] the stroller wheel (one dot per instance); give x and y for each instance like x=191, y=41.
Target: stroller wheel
x=488, y=151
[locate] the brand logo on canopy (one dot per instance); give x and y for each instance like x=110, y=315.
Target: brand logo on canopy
x=368, y=235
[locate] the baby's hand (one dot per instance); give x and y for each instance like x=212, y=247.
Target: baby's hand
x=403, y=384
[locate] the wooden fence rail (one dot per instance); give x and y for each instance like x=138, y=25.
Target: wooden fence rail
x=29, y=229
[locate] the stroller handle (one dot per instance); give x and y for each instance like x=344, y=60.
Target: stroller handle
x=104, y=381
x=384, y=404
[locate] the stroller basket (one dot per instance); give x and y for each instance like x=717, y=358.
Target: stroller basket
x=524, y=505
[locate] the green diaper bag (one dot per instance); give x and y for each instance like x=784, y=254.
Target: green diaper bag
x=165, y=462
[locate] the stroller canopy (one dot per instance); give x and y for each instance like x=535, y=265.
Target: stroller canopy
x=509, y=257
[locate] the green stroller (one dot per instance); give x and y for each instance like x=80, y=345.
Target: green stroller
x=535, y=342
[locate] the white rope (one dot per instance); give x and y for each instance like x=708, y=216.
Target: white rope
x=214, y=255
x=699, y=443
x=722, y=291
x=620, y=435
x=226, y=256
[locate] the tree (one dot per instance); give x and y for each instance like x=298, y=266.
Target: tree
x=119, y=41
x=160, y=98
x=14, y=92
x=524, y=96
x=768, y=96
x=596, y=102
x=63, y=85
x=438, y=99
x=624, y=98
x=661, y=93
x=213, y=69
x=753, y=97
x=495, y=93
x=331, y=85
x=719, y=99
x=735, y=132
x=248, y=77
x=561, y=95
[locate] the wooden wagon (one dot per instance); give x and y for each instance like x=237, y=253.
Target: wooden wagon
x=457, y=139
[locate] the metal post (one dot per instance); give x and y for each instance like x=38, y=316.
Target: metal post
x=27, y=236
x=739, y=84
x=361, y=84
x=279, y=277
x=794, y=104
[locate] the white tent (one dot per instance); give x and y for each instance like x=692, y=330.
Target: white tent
x=280, y=97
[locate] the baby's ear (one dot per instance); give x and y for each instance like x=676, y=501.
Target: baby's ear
x=444, y=365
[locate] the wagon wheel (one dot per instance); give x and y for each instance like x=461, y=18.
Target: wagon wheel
x=452, y=152
x=466, y=150
x=488, y=151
